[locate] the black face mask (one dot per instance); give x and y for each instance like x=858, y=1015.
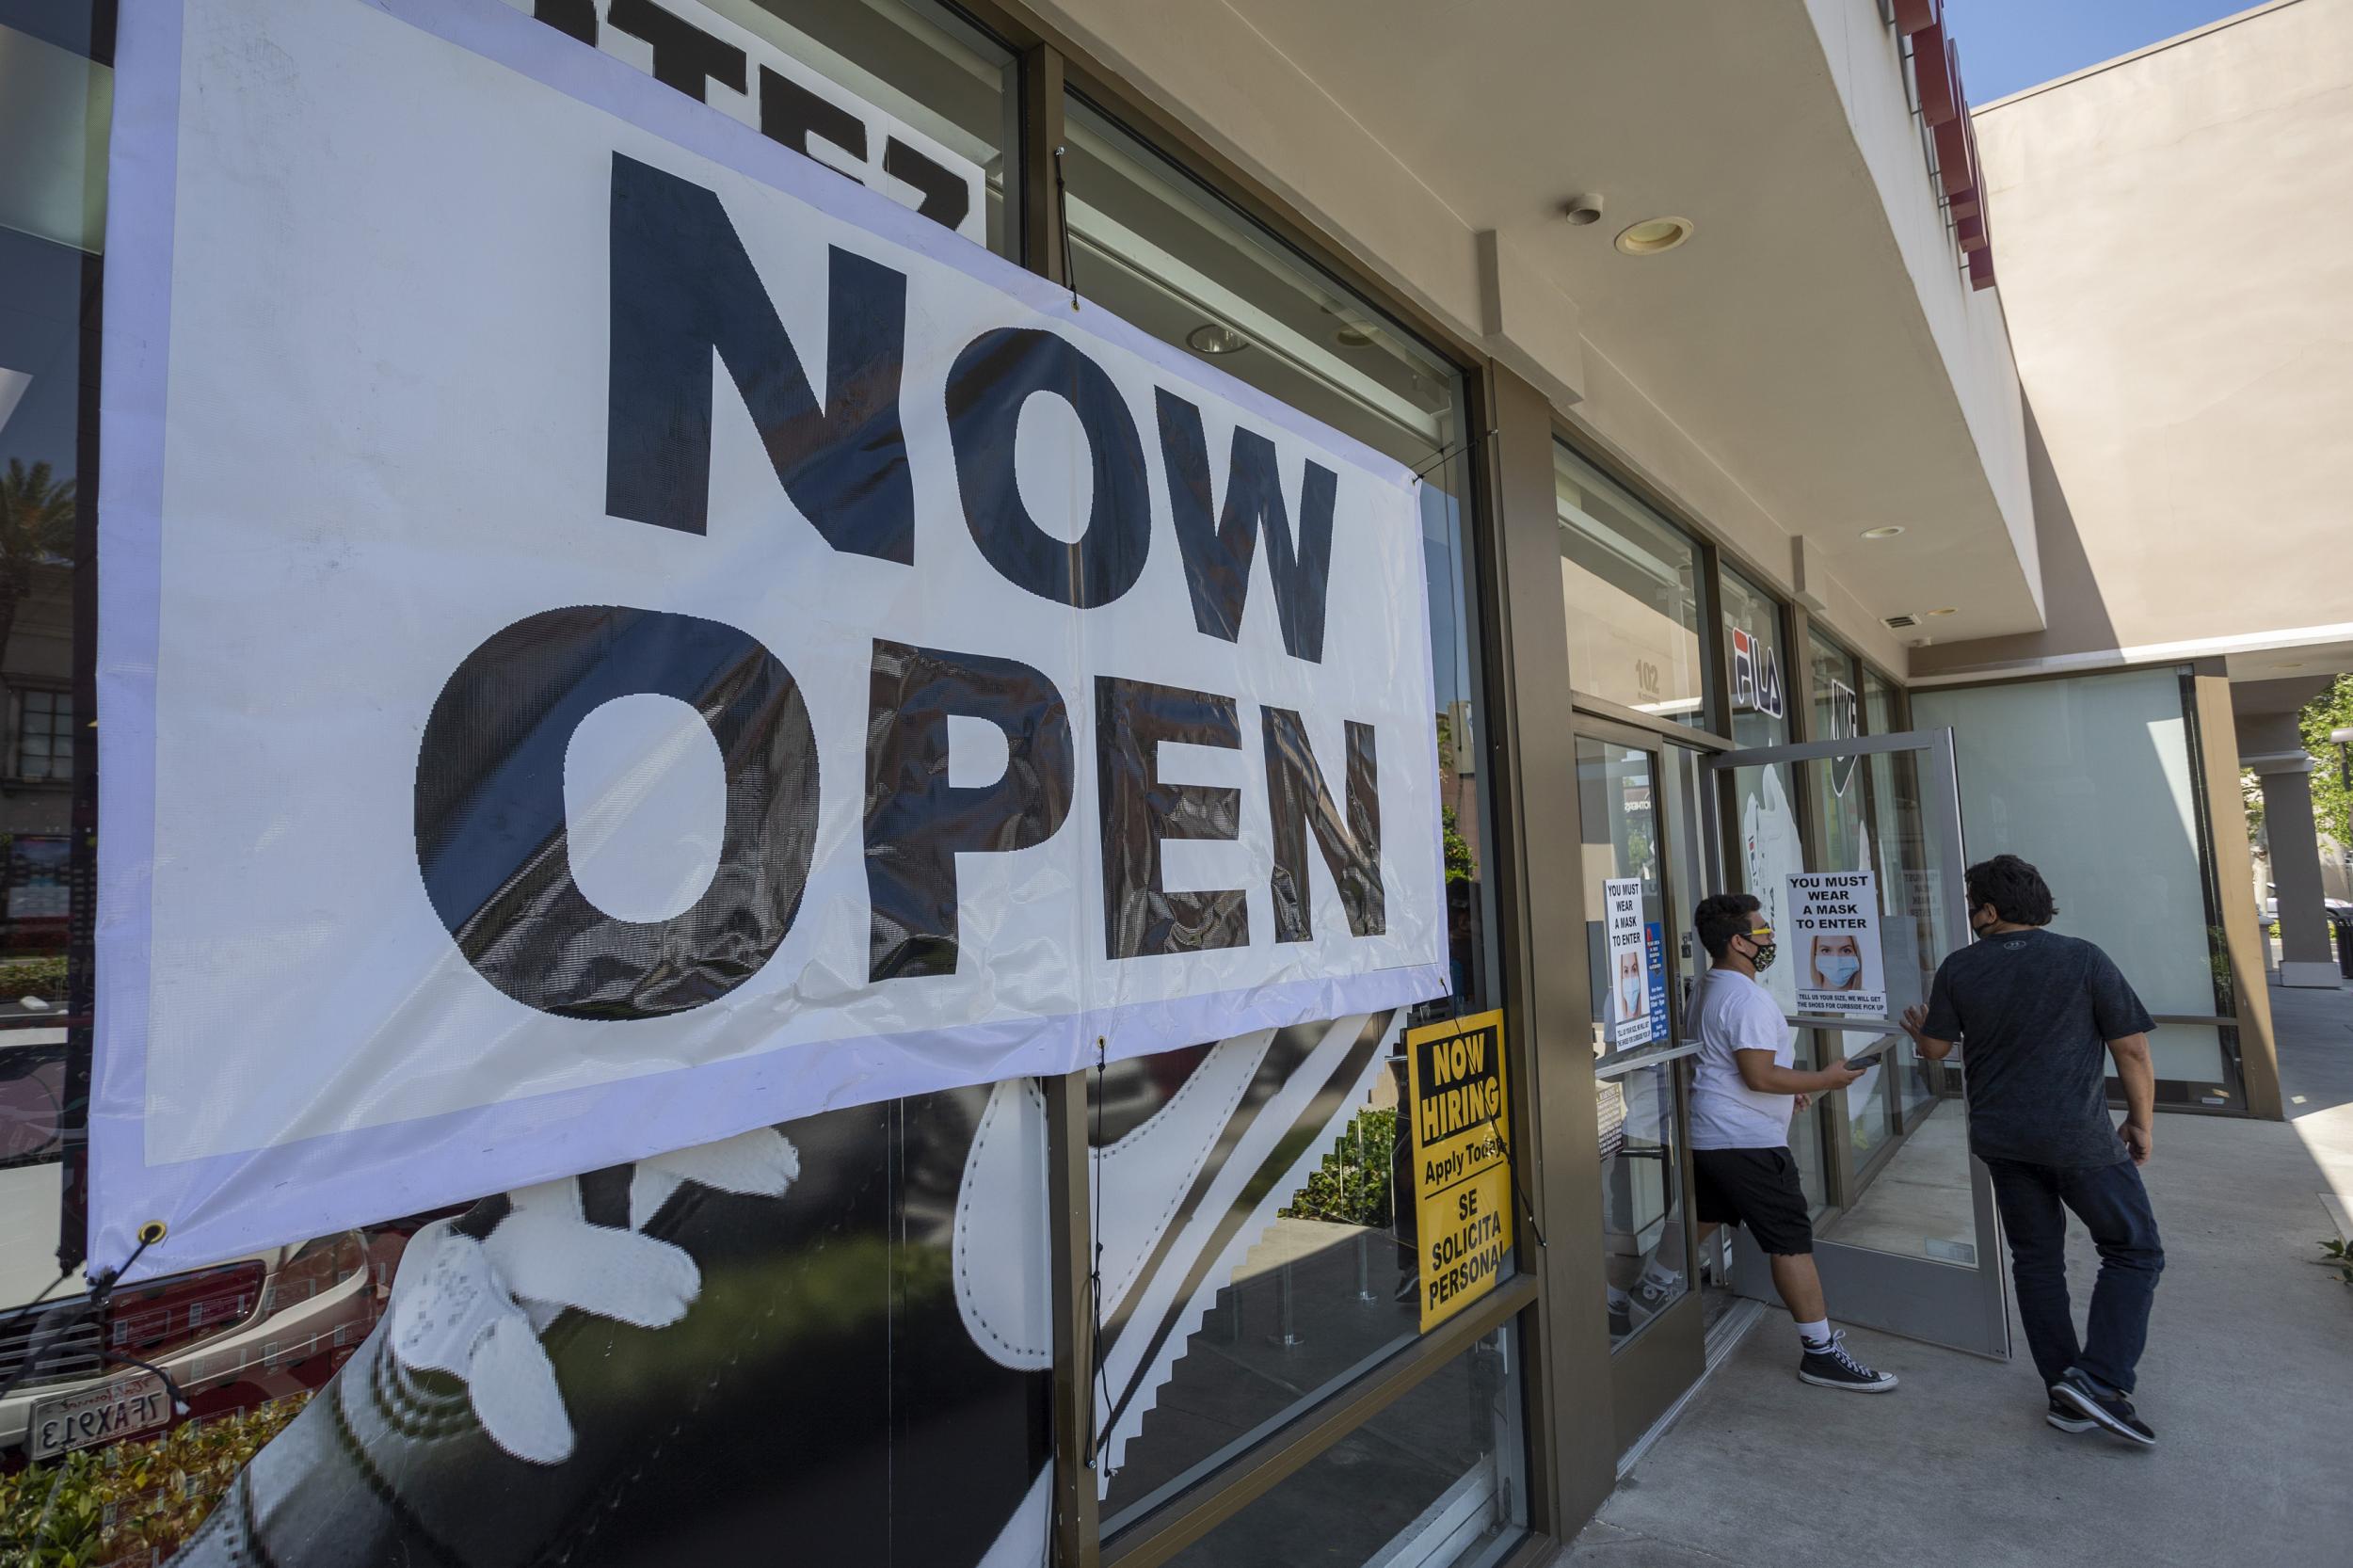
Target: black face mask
x=1981, y=932
x=1762, y=953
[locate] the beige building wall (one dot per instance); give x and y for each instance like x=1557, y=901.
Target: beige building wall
x=2175, y=240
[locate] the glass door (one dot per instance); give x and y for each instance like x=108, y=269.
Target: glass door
x=1906, y=1237
x=1647, y=838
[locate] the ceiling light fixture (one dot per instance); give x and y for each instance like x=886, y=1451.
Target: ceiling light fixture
x=1214, y=338
x=1355, y=337
x=1885, y=531
x=1582, y=209
x=1653, y=235
x=1949, y=610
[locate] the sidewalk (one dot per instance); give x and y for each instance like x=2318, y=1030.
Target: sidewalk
x=2248, y=1381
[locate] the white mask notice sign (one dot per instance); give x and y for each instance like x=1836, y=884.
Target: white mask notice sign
x=1831, y=940
x=1630, y=968
x=614, y=634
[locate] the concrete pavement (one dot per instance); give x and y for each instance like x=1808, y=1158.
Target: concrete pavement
x=2249, y=1379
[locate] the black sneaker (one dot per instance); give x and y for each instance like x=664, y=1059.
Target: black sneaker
x=2111, y=1412
x=1829, y=1365
x=1620, y=1318
x=2064, y=1418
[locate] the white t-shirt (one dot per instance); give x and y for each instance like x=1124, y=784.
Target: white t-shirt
x=1736, y=1014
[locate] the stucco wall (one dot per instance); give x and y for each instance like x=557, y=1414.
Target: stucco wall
x=2176, y=252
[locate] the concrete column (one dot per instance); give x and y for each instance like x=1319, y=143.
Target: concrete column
x=2287, y=786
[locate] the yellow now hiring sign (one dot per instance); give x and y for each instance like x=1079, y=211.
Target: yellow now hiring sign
x=1462, y=1172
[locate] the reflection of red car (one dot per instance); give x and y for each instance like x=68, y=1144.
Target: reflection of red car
x=229, y=1337
x=42, y=934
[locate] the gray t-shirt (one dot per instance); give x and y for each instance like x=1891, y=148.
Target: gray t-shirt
x=2035, y=1012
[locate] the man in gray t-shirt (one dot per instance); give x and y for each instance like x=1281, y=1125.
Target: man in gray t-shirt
x=2038, y=1016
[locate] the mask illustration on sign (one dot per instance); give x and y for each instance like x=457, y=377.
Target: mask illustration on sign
x=1837, y=963
x=1630, y=997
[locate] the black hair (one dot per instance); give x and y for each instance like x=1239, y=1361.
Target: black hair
x=2015, y=889
x=1723, y=916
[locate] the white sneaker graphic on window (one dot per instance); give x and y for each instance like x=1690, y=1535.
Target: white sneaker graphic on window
x=476, y=1309
x=1173, y=1196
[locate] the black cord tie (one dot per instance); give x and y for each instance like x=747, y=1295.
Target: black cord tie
x=1094, y=1206
x=1062, y=216
x=1446, y=453
x=101, y=1288
x=1512, y=1168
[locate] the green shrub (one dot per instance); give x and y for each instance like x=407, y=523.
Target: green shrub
x=135, y=1502
x=42, y=977
x=1352, y=1187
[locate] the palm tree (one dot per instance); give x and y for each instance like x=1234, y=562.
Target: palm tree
x=37, y=520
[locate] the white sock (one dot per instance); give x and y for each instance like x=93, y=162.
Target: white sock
x=1618, y=1297
x=1814, y=1334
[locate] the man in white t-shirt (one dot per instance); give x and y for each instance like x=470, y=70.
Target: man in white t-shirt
x=1744, y=1087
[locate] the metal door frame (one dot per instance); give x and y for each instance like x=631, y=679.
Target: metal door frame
x=1663, y=1361
x=1914, y=1297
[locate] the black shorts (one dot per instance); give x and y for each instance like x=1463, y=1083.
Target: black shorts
x=1757, y=1188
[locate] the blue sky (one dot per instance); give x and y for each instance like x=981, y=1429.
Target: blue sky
x=2009, y=44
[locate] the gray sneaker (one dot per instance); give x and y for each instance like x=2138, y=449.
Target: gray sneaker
x=2112, y=1413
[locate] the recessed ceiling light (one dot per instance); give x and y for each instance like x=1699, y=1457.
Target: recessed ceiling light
x=1355, y=337
x=1653, y=235
x=1885, y=531
x=1949, y=610
x=1215, y=338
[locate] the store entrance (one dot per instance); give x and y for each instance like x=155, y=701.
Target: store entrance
x=1650, y=851
x=1907, y=1236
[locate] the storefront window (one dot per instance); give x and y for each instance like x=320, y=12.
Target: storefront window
x=777, y=1327
x=923, y=65
x=1765, y=802
x=51, y=211
x=1619, y=806
x=1439, y=1478
x=1838, y=716
x=1842, y=790
x=1631, y=581
x=1313, y=1275
x=2095, y=779
x=1918, y=1083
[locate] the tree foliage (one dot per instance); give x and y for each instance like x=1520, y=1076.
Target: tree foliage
x=2332, y=803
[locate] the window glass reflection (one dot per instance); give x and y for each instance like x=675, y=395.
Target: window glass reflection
x=1630, y=579
x=1170, y=256
x=2094, y=778
x=1439, y=1479
x=1770, y=842
x=1290, y=1264
x=1644, y=1232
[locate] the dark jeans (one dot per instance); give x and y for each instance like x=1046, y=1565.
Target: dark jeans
x=2114, y=1206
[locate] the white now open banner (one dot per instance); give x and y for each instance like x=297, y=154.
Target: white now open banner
x=614, y=633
